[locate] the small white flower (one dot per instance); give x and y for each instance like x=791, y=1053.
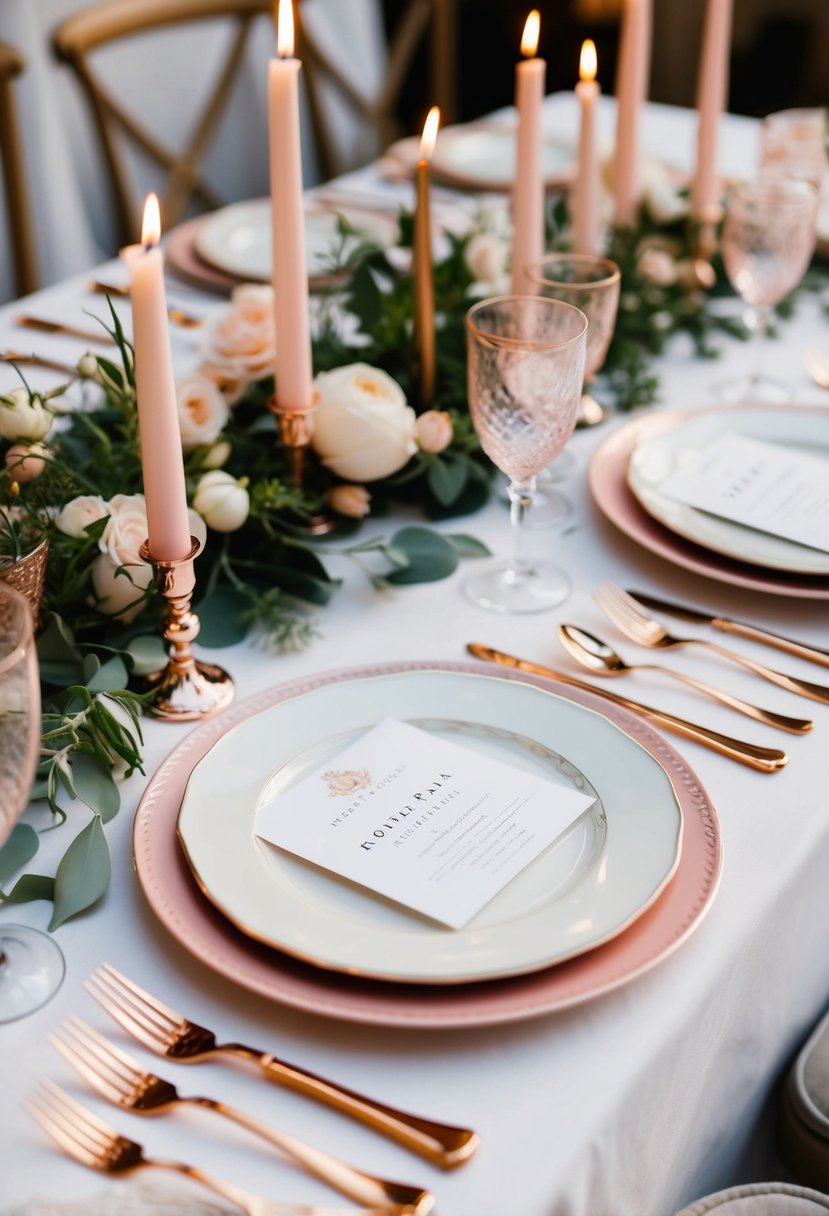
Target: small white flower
x=487, y=258
x=88, y=367
x=26, y=461
x=202, y=411
x=217, y=455
x=222, y=501
x=22, y=417
x=80, y=512
x=363, y=428
x=657, y=266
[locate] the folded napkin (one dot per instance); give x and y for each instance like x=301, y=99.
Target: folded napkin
x=131, y=1198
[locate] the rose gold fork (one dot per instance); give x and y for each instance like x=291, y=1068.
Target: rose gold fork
x=169, y=1034
x=97, y=1145
x=121, y=1080
x=636, y=624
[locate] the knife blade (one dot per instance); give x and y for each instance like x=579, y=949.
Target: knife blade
x=740, y=629
x=763, y=759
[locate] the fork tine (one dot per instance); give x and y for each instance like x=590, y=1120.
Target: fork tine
x=62, y=1136
x=145, y=1031
x=60, y=1100
x=143, y=998
x=102, y=1046
x=92, y=1066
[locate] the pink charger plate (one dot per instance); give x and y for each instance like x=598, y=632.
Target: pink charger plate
x=185, y=263
x=174, y=897
x=615, y=499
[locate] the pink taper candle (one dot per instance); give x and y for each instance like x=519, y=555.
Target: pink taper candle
x=290, y=275
x=712, y=97
x=162, y=462
x=632, y=79
x=528, y=195
x=586, y=186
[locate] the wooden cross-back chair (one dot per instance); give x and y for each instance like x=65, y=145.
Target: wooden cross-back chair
x=79, y=36
x=18, y=215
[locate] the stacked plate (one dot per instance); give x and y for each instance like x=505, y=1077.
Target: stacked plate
x=611, y=897
x=630, y=466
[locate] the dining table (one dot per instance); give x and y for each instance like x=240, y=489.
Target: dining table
x=632, y=1103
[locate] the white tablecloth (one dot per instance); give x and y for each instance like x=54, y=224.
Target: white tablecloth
x=630, y=1105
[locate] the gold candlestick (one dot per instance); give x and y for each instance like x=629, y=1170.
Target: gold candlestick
x=706, y=228
x=186, y=689
x=295, y=428
x=423, y=301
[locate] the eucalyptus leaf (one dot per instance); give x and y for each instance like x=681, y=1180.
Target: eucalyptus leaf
x=90, y=667
x=447, y=477
x=468, y=546
x=29, y=887
x=83, y=874
x=58, y=674
x=304, y=585
x=147, y=654
x=20, y=847
x=56, y=643
x=430, y=557
x=110, y=676
x=94, y=785
x=222, y=616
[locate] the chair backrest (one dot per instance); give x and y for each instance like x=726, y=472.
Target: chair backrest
x=12, y=64
x=328, y=86
x=85, y=32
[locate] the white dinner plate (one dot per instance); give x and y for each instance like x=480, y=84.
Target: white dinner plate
x=237, y=238
x=655, y=458
x=482, y=157
x=587, y=886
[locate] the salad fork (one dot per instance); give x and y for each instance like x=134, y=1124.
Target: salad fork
x=170, y=1034
x=100, y=1147
x=118, y=1077
x=635, y=623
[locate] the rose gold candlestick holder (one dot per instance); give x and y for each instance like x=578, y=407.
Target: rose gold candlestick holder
x=705, y=244
x=186, y=689
x=295, y=428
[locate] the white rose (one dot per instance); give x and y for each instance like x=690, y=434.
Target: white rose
x=433, y=431
x=80, y=512
x=353, y=501
x=125, y=532
x=487, y=257
x=202, y=411
x=22, y=417
x=222, y=501
x=659, y=193
x=363, y=429
x=240, y=343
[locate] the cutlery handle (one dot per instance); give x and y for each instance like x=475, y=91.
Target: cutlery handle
x=797, y=726
x=440, y=1143
x=804, y=688
x=813, y=654
x=69, y=331
x=362, y=1188
x=763, y=759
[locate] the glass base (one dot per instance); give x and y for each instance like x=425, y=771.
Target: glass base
x=753, y=388
x=31, y=971
x=499, y=587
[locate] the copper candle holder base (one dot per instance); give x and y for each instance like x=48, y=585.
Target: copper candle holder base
x=186, y=689
x=295, y=429
x=706, y=243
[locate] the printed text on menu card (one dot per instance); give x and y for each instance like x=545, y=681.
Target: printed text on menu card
x=432, y=825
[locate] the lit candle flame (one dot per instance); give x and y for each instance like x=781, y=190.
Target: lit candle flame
x=151, y=224
x=529, y=39
x=430, y=133
x=587, y=62
x=285, y=28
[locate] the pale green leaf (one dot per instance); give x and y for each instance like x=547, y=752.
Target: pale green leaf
x=83, y=874
x=95, y=786
x=20, y=847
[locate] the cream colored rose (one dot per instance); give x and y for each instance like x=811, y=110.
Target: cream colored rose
x=80, y=513
x=353, y=501
x=26, y=461
x=202, y=411
x=22, y=417
x=240, y=344
x=363, y=429
x=125, y=532
x=659, y=193
x=433, y=431
x=657, y=266
x=222, y=501
x=487, y=258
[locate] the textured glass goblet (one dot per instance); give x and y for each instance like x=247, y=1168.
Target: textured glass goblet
x=31, y=965
x=793, y=142
x=591, y=284
x=525, y=372
x=767, y=243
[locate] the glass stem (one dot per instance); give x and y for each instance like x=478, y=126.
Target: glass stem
x=760, y=329
x=521, y=496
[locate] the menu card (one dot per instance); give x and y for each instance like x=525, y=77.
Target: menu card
x=762, y=485
x=421, y=820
